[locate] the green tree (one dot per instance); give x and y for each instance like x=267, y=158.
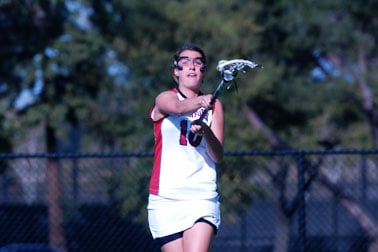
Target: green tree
x=338, y=38
x=291, y=39
x=299, y=36
x=283, y=103
x=26, y=29
x=131, y=28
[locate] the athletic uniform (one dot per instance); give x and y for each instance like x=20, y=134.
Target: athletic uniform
x=183, y=186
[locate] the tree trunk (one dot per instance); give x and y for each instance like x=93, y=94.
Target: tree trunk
x=367, y=101
x=281, y=241
x=55, y=211
x=366, y=222
x=256, y=122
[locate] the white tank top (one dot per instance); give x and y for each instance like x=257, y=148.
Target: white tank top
x=182, y=168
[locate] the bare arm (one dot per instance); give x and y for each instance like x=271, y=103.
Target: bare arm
x=214, y=135
x=167, y=103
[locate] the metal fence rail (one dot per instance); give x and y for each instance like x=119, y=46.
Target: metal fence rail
x=291, y=200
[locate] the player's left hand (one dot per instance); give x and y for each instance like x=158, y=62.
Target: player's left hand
x=198, y=128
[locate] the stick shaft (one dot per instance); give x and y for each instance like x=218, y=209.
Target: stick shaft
x=213, y=99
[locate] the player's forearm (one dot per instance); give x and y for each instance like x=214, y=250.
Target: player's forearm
x=187, y=105
x=214, y=146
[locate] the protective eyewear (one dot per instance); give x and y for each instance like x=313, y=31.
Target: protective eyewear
x=187, y=61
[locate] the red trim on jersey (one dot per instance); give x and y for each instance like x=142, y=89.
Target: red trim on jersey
x=155, y=176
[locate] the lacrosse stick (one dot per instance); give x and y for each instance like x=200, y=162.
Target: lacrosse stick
x=228, y=69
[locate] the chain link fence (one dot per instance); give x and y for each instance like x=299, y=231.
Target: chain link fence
x=319, y=201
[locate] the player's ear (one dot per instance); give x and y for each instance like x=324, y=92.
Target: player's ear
x=175, y=75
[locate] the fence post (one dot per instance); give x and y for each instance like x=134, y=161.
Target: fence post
x=302, y=204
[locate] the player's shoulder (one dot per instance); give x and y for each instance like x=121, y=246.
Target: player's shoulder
x=172, y=91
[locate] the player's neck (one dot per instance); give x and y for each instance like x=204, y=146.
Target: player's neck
x=188, y=93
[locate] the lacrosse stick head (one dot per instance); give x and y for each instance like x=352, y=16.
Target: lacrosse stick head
x=230, y=68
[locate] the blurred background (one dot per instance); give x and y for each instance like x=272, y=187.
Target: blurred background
x=77, y=79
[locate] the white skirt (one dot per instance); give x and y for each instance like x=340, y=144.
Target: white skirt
x=169, y=216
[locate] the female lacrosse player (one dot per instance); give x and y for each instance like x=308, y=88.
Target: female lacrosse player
x=183, y=206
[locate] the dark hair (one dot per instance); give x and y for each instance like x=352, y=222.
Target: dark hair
x=190, y=47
